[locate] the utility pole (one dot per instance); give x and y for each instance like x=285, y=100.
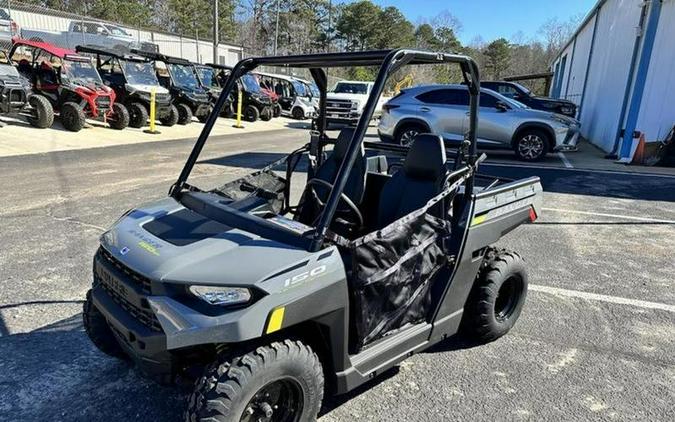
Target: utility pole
x=276, y=31
x=216, y=31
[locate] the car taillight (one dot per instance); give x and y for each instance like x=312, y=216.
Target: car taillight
x=388, y=107
x=533, y=215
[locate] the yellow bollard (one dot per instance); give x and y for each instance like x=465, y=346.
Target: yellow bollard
x=153, y=113
x=238, y=125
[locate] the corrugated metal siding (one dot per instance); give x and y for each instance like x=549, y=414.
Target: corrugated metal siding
x=608, y=72
x=574, y=85
x=171, y=45
x=657, y=111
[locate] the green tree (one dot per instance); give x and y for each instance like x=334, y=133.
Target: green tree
x=497, y=56
x=393, y=30
x=358, y=25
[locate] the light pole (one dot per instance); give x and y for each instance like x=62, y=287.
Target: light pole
x=216, y=31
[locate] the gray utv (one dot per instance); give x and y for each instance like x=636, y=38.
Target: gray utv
x=17, y=99
x=279, y=304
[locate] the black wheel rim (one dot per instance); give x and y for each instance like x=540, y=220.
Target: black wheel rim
x=507, y=298
x=278, y=401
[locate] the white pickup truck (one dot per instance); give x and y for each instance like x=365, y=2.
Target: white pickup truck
x=344, y=104
x=89, y=33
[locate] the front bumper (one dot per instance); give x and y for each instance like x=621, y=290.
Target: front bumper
x=567, y=139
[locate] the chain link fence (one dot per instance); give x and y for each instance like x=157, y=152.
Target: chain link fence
x=67, y=30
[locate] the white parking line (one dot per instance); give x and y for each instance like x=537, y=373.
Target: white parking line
x=601, y=214
x=576, y=169
x=601, y=298
x=565, y=161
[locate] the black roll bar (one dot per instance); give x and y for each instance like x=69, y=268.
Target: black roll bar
x=389, y=61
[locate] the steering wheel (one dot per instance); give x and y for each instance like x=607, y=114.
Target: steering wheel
x=352, y=206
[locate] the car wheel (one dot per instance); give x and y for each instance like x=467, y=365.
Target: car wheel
x=406, y=134
x=298, y=114
x=42, y=113
x=532, y=145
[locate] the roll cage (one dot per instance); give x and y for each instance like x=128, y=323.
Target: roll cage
x=388, y=61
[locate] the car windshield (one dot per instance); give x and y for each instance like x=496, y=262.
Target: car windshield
x=80, y=71
x=314, y=89
x=522, y=88
x=300, y=89
x=350, y=88
x=207, y=76
x=139, y=73
x=183, y=75
x=250, y=83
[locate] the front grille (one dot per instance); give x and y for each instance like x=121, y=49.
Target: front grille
x=340, y=108
x=103, y=103
x=141, y=281
x=144, y=316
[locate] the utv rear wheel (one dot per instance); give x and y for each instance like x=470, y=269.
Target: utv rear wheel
x=497, y=297
x=98, y=330
x=42, y=113
x=279, y=382
x=119, y=118
x=184, y=114
x=531, y=145
x=170, y=119
x=138, y=115
x=72, y=117
x=266, y=114
x=298, y=113
x=251, y=113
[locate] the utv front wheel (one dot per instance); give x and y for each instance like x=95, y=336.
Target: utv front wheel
x=204, y=117
x=497, y=297
x=98, y=330
x=72, y=117
x=172, y=118
x=251, y=113
x=279, y=382
x=120, y=117
x=42, y=113
x=184, y=114
x=138, y=115
x=298, y=113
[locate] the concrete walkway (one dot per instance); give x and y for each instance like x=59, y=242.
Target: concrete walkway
x=20, y=138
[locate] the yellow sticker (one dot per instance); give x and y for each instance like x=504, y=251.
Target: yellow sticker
x=276, y=319
x=148, y=247
x=478, y=219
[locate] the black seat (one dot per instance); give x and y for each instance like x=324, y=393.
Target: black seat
x=421, y=178
x=328, y=170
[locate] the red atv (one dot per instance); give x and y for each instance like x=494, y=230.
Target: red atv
x=70, y=82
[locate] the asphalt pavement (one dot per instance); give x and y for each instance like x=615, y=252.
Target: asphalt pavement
x=596, y=340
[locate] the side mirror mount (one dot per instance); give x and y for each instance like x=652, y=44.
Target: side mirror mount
x=501, y=106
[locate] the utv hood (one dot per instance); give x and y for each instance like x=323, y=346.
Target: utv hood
x=147, y=88
x=168, y=243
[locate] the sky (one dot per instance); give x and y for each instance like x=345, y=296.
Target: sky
x=493, y=19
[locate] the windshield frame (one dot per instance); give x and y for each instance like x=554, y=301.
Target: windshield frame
x=170, y=67
x=66, y=70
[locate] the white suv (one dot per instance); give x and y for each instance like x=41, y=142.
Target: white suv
x=502, y=123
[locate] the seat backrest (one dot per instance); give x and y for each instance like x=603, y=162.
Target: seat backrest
x=328, y=170
x=420, y=179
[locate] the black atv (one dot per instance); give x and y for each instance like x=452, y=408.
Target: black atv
x=255, y=103
x=179, y=77
x=133, y=79
x=16, y=97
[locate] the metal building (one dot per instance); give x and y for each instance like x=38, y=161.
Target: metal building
x=619, y=68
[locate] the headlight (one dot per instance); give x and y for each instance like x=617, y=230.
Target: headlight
x=221, y=296
x=560, y=119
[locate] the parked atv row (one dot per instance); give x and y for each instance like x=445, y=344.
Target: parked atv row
x=39, y=80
